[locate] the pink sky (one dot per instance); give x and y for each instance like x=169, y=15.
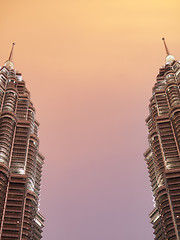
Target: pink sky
x=90, y=66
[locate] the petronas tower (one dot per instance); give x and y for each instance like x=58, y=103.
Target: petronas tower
x=20, y=161
x=163, y=155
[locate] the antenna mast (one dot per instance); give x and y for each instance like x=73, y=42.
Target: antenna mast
x=11, y=53
x=167, y=51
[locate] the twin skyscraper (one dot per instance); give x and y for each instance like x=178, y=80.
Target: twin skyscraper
x=20, y=161
x=163, y=155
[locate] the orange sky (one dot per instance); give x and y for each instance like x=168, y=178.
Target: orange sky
x=90, y=66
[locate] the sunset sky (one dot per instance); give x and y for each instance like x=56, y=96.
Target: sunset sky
x=90, y=66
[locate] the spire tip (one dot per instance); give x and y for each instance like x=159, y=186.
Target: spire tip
x=11, y=53
x=166, y=48
x=9, y=64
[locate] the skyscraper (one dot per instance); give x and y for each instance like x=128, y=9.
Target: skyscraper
x=163, y=155
x=20, y=161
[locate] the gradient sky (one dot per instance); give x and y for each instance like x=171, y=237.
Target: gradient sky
x=90, y=66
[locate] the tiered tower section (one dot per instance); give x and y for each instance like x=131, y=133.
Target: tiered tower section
x=20, y=161
x=163, y=155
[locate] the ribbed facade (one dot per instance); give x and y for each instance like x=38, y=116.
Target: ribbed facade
x=163, y=155
x=20, y=161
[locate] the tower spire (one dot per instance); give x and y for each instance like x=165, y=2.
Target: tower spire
x=169, y=58
x=9, y=64
x=11, y=53
x=167, y=51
